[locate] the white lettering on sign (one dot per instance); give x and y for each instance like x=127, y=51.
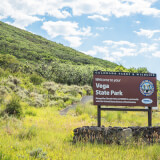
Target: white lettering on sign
x=119, y=93
x=104, y=86
x=117, y=80
x=112, y=92
x=108, y=80
x=98, y=92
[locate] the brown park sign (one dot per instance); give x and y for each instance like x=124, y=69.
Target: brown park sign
x=124, y=89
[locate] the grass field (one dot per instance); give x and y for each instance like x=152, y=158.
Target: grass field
x=44, y=134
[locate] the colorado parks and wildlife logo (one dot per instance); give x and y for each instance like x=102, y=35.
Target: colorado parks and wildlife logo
x=146, y=88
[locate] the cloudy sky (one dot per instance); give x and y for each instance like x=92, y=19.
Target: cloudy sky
x=126, y=32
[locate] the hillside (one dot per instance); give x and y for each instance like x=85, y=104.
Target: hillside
x=25, y=45
x=22, y=51
x=28, y=53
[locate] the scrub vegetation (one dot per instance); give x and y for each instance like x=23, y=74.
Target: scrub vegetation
x=37, y=79
x=24, y=52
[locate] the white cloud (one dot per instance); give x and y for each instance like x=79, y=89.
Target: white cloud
x=2, y=17
x=74, y=41
x=80, y=7
x=151, y=11
x=59, y=14
x=100, y=9
x=138, y=22
x=101, y=49
x=156, y=54
x=26, y=12
x=117, y=8
x=147, y=33
x=97, y=50
x=65, y=28
x=16, y=11
x=68, y=30
x=103, y=28
x=110, y=58
x=145, y=47
x=96, y=35
x=90, y=52
x=95, y=17
x=157, y=39
x=128, y=51
x=118, y=43
x=115, y=51
x=115, y=55
x=23, y=21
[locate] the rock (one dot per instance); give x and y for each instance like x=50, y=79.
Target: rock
x=126, y=136
x=118, y=135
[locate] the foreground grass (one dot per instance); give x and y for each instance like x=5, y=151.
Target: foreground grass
x=44, y=134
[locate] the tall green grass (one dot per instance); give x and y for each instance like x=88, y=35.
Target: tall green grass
x=47, y=135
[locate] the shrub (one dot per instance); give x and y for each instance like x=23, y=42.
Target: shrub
x=3, y=91
x=59, y=104
x=36, y=80
x=88, y=90
x=30, y=113
x=14, y=107
x=52, y=103
x=74, y=91
x=51, y=87
x=14, y=80
x=11, y=85
x=4, y=73
x=79, y=109
x=36, y=100
x=68, y=102
x=22, y=93
x=28, y=133
x=74, y=100
x=38, y=153
x=51, y=90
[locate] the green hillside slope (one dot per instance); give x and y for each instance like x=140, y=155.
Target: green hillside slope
x=27, y=53
x=25, y=45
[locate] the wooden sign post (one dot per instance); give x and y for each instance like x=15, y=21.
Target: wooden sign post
x=124, y=89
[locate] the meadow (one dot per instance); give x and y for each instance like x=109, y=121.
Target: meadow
x=38, y=78
x=42, y=133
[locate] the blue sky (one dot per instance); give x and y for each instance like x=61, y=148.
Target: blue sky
x=126, y=32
